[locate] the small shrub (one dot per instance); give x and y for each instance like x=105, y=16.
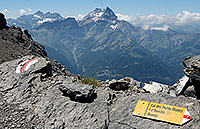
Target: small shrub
x=90, y=81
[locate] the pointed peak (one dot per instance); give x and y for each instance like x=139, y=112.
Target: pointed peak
x=108, y=9
x=48, y=13
x=97, y=10
x=101, y=14
x=39, y=13
x=109, y=14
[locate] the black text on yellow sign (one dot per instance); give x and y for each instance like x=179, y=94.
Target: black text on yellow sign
x=163, y=112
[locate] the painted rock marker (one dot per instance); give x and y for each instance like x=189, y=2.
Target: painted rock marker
x=163, y=112
x=24, y=66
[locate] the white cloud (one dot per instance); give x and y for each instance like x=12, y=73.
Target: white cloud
x=22, y=11
x=126, y=17
x=187, y=18
x=29, y=9
x=163, y=22
x=6, y=11
x=164, y=28
x=80, y=16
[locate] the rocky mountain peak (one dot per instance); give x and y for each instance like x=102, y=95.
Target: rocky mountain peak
x=39, y=13
x=71, y=21
x=109, y=14
x=2, y=21
x=52, y=15
x=101, y=14
x=15, y=43
x=32, y=20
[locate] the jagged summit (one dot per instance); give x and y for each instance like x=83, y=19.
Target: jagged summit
x=32, y=20
x=39, y=13
x=109, y=14
x=101, y=14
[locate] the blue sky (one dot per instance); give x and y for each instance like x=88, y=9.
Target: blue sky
x=74, y=7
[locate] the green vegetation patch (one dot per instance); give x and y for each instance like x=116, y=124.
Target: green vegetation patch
x=90, y=81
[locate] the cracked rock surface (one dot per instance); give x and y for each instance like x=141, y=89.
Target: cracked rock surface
x=34, y=100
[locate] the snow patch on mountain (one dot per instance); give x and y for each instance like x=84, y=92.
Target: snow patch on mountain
x=96, y=16
x=46, y=20
x=114, y=26
x=36, y=16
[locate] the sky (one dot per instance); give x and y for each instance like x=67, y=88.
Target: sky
x=15, y=8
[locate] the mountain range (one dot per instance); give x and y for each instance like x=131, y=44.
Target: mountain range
x=103, y=47
x=32, y=20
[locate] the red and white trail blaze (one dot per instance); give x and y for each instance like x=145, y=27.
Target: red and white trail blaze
x=24, y=66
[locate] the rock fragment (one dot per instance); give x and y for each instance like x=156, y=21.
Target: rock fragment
x=192, y=70
x=155, y=87
x=78, y=92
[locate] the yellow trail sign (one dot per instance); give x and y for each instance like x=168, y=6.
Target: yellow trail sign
x=163, y=112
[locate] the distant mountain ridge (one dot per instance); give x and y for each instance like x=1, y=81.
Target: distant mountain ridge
x=32, y=20
x=101, y=46
x=98, y=46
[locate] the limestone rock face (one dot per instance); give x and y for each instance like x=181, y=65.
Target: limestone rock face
x=34, y=98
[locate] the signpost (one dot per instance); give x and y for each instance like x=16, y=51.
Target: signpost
x=163, y=112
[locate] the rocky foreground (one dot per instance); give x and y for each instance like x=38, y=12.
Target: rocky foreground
x=37, y=93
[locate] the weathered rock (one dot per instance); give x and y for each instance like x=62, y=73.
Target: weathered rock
x=192, y=65
x=123, y=84
x=192, y=70
x=10, y=78
x=78, y=92
x=40, y=104
x=152, y=88
x=2, y=21
x=14, y=45
x=155, y=87
x=43, y=66
x=27, y=34
x=131, y=81
x=181, y=85
x=119, y=86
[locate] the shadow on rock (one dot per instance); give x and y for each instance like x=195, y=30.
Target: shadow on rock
x=119, y=86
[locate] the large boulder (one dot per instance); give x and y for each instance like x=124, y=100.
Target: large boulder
x=192, y=70
x=192, y=67
x=2, y=21
x=155, y=87
x=78, y=92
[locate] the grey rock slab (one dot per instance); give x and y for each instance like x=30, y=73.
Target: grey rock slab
x=78, y=92
x=155, y=87
x=44, y=105
x=181, y=84
x=192, y=65
x=10, y=78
